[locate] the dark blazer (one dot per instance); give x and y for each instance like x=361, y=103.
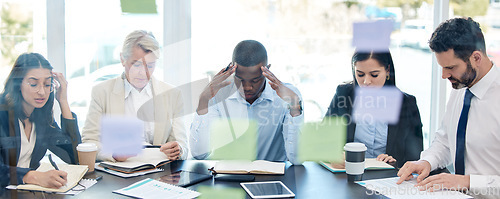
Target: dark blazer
x=404, y=140
x=61, y=142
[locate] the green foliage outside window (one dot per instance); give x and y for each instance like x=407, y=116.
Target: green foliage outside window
x=16, y=30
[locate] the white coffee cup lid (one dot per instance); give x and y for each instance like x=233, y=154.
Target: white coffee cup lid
x=86, y=147
x=355, y=147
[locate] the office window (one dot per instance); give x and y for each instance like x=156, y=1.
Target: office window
x=309, y=43
x=95, y=31
x=22, y=29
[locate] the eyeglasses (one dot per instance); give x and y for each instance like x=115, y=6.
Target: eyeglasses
x=47, y=86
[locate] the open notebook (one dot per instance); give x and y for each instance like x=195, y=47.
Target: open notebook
x=248, y=167
x=149, y=158
x=370, y=164
x=75, y=174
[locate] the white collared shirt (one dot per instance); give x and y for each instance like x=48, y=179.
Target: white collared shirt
x=134, y=101
x=27, y=146
x=482, y=142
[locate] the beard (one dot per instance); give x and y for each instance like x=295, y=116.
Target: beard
x=467, y=78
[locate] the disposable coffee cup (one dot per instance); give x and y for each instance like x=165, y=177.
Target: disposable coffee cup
x=354, y=160
x=87, y=154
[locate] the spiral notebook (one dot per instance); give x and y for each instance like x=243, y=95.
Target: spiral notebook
x=149, y=188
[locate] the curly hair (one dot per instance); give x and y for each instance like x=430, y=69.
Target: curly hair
x=463, y=35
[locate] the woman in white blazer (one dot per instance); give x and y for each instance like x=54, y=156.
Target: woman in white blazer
x=137, y=93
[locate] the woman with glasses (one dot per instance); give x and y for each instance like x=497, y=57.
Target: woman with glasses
x=27, y=126
x=400, y=142
x=136, y=93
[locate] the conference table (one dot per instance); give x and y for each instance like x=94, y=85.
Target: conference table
x=309, y=180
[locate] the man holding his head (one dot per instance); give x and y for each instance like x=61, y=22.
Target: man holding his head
x=469, y=134
x=274, y=105
x=129, y=94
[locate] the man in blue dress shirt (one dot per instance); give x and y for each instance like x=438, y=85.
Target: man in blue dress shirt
x=255, y=94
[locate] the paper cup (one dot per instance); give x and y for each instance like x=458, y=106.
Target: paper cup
x=354, y=160
x=87, y=153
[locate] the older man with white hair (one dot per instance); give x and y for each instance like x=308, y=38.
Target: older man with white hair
x=128, y=94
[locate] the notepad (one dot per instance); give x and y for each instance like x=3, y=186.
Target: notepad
x=149, y=188
x=248, y=167
x=149, y=158
x=370, y=164
x=75, y=174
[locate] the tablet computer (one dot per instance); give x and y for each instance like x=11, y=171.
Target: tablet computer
x=184, y=178
x=269, y=189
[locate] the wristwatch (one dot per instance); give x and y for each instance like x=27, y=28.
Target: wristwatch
x=300, y=107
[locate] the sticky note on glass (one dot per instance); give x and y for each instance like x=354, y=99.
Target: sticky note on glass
x=121, y=135
x=372, y=35
x=233, y=139
x=323, y=141
x=138, y=6
x=208, y=192
x=377, y=105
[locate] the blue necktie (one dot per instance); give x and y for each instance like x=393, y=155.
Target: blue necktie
x=462, y=125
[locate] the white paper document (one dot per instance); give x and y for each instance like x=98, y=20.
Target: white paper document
x=149, y=188
x=405, y=190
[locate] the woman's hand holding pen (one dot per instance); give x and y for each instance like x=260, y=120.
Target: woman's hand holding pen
x=49, y=179
x=218, y=82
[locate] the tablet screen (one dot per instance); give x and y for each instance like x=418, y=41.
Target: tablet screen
x=271, y=189
x=184, y=178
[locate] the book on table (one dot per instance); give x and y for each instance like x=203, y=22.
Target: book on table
x=249, y=167
x=75, y=174
x=149, y=158
x=370, y=164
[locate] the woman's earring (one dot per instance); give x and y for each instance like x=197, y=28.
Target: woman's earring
x=387, y=77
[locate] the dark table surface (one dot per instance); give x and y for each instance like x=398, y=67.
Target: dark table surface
x=309, y=180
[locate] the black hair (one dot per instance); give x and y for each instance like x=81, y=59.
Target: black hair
x=250, y=53
x=462, y=35
x=12, y=96
x=384, y=58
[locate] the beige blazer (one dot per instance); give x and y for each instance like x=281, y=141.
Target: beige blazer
x=108, y=97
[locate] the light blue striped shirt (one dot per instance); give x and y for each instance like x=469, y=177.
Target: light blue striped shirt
x=277, y=130
x=374, y=136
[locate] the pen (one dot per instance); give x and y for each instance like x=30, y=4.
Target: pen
x=152, y=146
x=52, y=162
x=54, y=165
x=227, y=67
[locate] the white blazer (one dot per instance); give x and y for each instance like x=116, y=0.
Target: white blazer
x=108, y=97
